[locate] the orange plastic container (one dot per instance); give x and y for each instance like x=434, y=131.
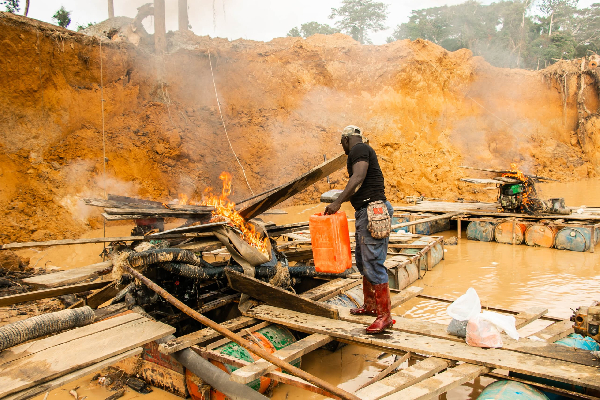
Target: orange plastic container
x=330, y=242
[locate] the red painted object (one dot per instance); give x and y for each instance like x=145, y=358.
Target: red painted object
x=330, y=242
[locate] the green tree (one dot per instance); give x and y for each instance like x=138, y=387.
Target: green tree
x=312, y=28
x=82, y=27
x=62, y=17
x=556, y=8
x=12, y=6
x=359, y=17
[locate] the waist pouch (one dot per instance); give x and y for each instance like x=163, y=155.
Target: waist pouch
x=380, y=221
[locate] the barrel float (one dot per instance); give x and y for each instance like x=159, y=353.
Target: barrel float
x=437, y=254
x=271, y=338
x=507, y=390
x=399, y=220
x=507, y=231
x=480, y=230
x=574, y=239
x=540, y=235
x=350, y=298
x=577, y=341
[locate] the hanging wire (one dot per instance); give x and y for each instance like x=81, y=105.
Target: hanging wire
x=103, y=146
x=223, y=122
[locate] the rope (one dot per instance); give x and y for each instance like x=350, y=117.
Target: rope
x=223, y=122
x=103, y=133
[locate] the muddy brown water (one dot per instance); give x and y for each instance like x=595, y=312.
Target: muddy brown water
x=506, y=276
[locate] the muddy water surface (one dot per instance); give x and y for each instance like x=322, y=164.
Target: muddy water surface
x=511, y=277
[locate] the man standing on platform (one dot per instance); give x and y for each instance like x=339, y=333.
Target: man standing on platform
x=366, y=192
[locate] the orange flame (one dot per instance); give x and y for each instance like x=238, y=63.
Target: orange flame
x=225, y=208
x=183, y=199
x=516, y=173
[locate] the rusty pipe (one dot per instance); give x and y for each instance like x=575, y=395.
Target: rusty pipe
x=334, y=391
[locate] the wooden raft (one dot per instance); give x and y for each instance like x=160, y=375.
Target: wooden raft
x=41, y=365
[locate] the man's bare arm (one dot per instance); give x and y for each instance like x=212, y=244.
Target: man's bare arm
x=359, y=172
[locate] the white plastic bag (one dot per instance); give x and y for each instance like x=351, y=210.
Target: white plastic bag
x=465, y=307
x=482, y=333
x=504, y=323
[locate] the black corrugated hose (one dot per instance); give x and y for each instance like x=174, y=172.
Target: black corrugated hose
x=41, y=325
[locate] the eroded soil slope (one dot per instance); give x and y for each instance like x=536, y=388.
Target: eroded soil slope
x=425, y=110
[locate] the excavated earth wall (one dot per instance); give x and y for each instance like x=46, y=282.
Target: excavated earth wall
x=425, y=110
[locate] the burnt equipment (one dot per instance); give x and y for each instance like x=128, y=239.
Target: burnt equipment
x=587, y=321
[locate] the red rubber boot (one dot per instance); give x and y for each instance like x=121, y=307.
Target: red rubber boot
x=384, y=305
x=369, y=307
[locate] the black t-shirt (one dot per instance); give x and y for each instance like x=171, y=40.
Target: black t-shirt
x=373, y=187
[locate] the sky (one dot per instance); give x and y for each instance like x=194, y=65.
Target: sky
x=233, y=19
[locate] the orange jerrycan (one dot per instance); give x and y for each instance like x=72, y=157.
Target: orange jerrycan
x=330, y=242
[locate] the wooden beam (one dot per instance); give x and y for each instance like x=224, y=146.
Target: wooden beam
x=63, y=380
x=528, y=316
x=72, y=350
x=243, y=332
x=430, y=219
x=432, y=329
x=403, y=378
x=203, y=335
x=69, y=276
x=555, y=331
x=262, y=204
x=548, y=368
x=54, y=292
x=276, y=296
x=207, y=334
x=441, y=383
x=164, y=212
x=260, y=367
x=386, y=371
x=327, y=288
x=488, y=307
x=405, y=295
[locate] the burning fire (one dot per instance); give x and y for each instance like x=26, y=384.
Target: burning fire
x=528, y=189
x=225, y=208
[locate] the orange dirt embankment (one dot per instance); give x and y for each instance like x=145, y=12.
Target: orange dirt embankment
x=425, y=110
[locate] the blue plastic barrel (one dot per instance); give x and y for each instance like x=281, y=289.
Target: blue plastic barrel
x=481, y=230
x=574, y=239
x=508, y=390
x=579, y=342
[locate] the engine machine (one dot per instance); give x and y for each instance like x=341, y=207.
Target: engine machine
x=587, y=321
x=510, y=197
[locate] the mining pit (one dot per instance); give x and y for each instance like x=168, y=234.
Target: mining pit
x=98, y=130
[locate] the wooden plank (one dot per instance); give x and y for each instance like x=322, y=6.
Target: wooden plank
x=52, y=362
x=403, y=378
x=528, y=316
x=555, y=331
x=559, y=370
x=203, y=335
x=441, y=383
x=54, y=292
x=405, y=295
x=275, y=375
x=488, y=307
x=69, y=276
x=356, y=282
x=206, y=334
x=63, y=380
x=388, y=370
x=275, y=296
x=244, y=332
x=260, y=367
x=327, y=288
x=262, y=204
x=432, y=329
x=163, y=212
x=26, y=349
x=420, y=221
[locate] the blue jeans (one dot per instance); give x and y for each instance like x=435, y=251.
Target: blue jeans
x=370, y=253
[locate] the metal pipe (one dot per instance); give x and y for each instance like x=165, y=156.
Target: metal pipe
x=333, y=390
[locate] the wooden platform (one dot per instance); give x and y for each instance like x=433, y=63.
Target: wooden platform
x=443, y=362
x=39, y=366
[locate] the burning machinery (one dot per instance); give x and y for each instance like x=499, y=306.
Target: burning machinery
x=517, y=192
